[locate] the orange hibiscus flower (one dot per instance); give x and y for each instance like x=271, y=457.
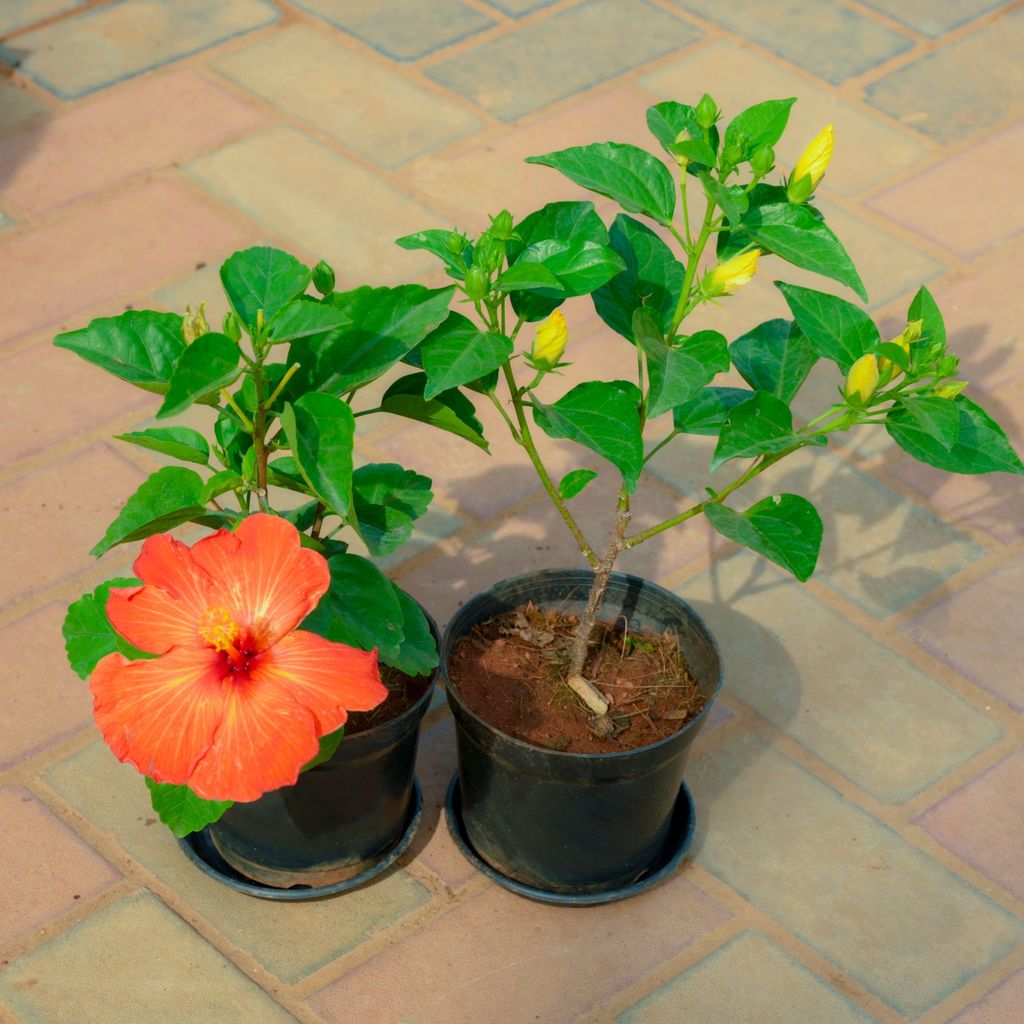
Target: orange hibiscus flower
x=238, y=699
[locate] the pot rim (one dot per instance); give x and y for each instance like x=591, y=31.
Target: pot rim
x=447, y=643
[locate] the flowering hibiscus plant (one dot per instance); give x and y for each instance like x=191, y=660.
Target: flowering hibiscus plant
x=200, y=674
x=646, y=277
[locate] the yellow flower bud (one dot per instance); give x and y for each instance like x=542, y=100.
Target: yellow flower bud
x=812, y=164
x=862, y=380
x=193, y=325
x=727, y=277
x=550, y=342
x=909, y=334
x=950, y=389
x=683, y=161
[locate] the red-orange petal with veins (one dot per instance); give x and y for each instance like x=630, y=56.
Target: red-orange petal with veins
x=162, y=715
x=264, y=577
x=327, y=678
x=263, y=741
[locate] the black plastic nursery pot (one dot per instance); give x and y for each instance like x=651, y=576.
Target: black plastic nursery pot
x=576, y=828
x=340, y=825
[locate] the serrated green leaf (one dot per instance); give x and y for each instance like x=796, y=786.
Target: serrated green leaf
x=320, y=430
x=182, y=443
x=759, y=125
x=181, y=810
x=207, y=365
x=262, y=278
x=760, y=425
x=306, y=316
x=578, y=264
x=636, y=180
x=458, y=352
x=139, y=346
x=435, y=240
x=387, y=499
x=450, y=410
x=574, y=481
x=417, y=655
x=784, y=528
x=88, y=634
x=706, y=412
x=603, y=416
x=774, y=357
x=939, y=418
x=981, y=445
x=170, y=497
x=837, y=329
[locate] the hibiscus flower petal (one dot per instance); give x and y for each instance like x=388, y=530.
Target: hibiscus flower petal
x=167, y=610
x=162, y=715
x=263, y=741
x=327, y=678
x=265, y=578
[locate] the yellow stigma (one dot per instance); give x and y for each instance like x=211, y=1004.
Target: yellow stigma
x=219, y=630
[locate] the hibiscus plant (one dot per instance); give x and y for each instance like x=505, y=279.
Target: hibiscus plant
x=200, y=677
x=645, y=277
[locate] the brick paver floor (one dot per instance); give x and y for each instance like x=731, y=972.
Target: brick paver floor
x=861, y=786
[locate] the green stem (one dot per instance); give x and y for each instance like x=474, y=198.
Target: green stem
x=686, y=210
x=505, y=416
x=661, y=444
x=259, y=434
x=247, y=424
x=692, y=263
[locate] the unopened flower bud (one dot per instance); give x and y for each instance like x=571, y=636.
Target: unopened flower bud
x=706, y=113
x=488, y=253
x=950, y=389
x=683, y=161
x=549, y=342
x=501, y=226
x=811, y=166
x=912, y=332
x=862, y=380
x=477, y=284
x=193, y=325
x=232, y=326
x=763, y=160
x=457, y=241
x=323, y=278
x=727, y=277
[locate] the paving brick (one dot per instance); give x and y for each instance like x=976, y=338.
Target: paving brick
x=894, y=920
x=528, y=68
x=96, y=254
x=108, y=141
x=472, y=964
x=55, y=395
x=776, y=989
x=47, y=867
x=961, y=89
x=1000, y=1006
x=45, y=700
x=321, y=201
x=935, y=17
x=16, y=106
x=518, y=8
x=819, y=35
x=367, y=106
x=469, y=181
x=125, y=965
x=727, y=71
x=983, y=822
x=977, y=630
x=50, y=518
x=19, y=14
x=967, y=203
x=289, y=939
x=402, y=29
x=98, y=48
x=894, y=738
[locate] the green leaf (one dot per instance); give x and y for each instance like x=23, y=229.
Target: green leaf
x=450, y=411
x=563, y=222
x=387, y=499
x=758, y=426
x=731, y=198
x=579, y=264
x=139, y=346
x=603, y=416
x=220, y=483
x=784, y=528
x=678, y=372
x=306, y=316
x=636, y=180
x=924, y=308
x=795, y=234
x=458, y=352
x=706, y=412
x=524, y=276
x=88, y=634
x=207, y=365
x=320, y=430
x=360, y=608
x=574, y=481
x=981, y=445
x=666, y=120
x=233, y=440
x=181, y=810
x=182, y=443
x=170, y=497
x=939, y=418
x=417, y=654
x=759, y=125
x=303, y=517
x=328, y=748
x=387, y=324
x=653, y=279
x=435, y=240
x=774, y=357
x=837, y=329
x=262, y=278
